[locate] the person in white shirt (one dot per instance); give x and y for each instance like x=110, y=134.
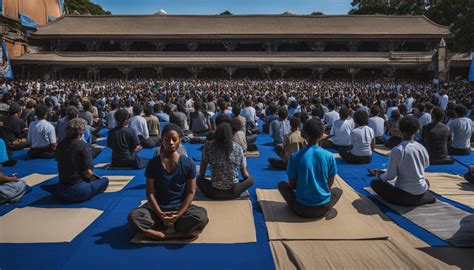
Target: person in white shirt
x=461, y=132
x=362, y=141
x=138, y=124
x=41, y=135
x=425, y=118
x=110, y=115
x=250, y=115
x=443, y=100
x=377, y=123
x=407, y=164
x=340, y=134
x=330, y=116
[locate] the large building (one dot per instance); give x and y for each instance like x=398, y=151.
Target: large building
x=267, y=46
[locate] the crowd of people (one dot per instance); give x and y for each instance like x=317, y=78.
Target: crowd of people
x=423, y=123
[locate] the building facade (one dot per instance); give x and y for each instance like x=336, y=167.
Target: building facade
x=265, y=46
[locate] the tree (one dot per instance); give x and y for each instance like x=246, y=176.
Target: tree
x=457, y=14
x=226, y=12
x=315, y=13
x=84, y=7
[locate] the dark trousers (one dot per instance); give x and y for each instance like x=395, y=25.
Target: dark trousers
x=137, y=164
x=150, y=142
x=251, y=147
x=217, y=194
x=459, y=152
x=447, y=160
x=18, y=146
x=78, y=192
x=40, y=153
x=95, y=152
x=331, y=144
x=144, y=218
x=251, y=139
x=379, y=140
x=392, y=142
x=351, y=158
x=394, y=195
x=277, y=163
x=304, y=210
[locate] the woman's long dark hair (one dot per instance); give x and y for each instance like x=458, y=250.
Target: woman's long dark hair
x=224, y=139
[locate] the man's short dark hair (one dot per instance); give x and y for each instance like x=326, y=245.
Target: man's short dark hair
x=137, y=109
x=235, y=124
x=375, y=110
x=409, y=124
x=222, y=118
x=282, y=113
x=71, y=112
x=344, y=113
x=295, y=123
x=313, y=129
x=41, y=111
x=121, y=116
x=361, y=118
x=460, y=110
x=437, y=114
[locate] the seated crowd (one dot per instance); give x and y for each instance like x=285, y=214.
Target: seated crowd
x=303, y=127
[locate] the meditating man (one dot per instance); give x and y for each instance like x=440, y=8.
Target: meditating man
x=225, y=157
x=340, y=135
x=125, y=144
x=279, y=128
x=362, y=140
x=77, y=181
x=41, y=135
x=138, y=123
x=407, y=164
x=170, y=190
x=311, y=173
x=436, y=137
x=461, y=132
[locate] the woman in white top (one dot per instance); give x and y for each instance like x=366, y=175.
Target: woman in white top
x=407, y=165
x=362, y=140
x=340, y=135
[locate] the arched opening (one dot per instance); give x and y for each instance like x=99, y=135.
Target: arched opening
x=251, y=73
x=337, y=47
x=299, y=73
x=414, y=47
x=111, y=73
x=369, y=46
x=176, y=73
x=249, y=47
x=142, y=73
x=111, y=46
x=78, y=73
x=142, y=46
x=293, y=46
x=213, y=73
x=76, y=46
x=370, y=73
x=337, y=74
x=211, y=47
x=175, y=47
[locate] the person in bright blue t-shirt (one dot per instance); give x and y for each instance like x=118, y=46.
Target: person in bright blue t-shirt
x=311, y=173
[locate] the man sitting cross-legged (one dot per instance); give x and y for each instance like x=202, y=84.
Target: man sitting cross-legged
x=170, y=189
x=407, y=165
x=311, y=173
x=125, y=144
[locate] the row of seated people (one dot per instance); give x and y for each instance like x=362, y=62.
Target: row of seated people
x=356, y=140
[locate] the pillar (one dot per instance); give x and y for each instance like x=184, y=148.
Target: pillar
x=283, y=71
x=353, y=71
x=353, y=45
x=231, y=71
x=159, y=71
x=159, y=45
x=125, y=71
x=195, y=71
x=442, y=61
x=192, y=45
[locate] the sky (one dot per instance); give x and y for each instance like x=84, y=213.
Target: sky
x=212, y=7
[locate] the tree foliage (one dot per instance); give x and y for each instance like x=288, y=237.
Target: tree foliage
x=457, y=14
x=314, y=13
x=226, y=12
x=84, y=7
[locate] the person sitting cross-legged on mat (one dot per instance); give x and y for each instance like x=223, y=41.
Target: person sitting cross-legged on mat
x=77, y=182
x=362, y=141
x=11, y=188
x=225, y=156
x=311, y=173
x=125, y=144
x=436, y=137
x=340, y=134
x=392, y=130
x=407, y=164
x=41, y=135
x=292, y=143
x=461, y=131
x=139, y=124
x=170, y=190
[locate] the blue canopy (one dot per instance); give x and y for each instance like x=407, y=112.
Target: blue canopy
x=5, y=68
x=27, y=21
